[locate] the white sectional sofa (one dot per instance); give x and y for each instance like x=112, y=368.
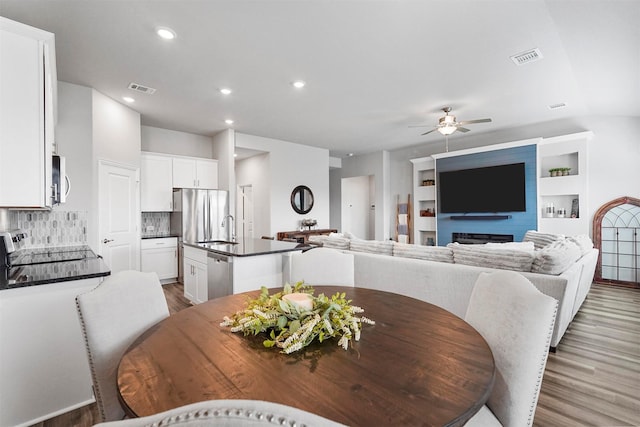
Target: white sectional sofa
x=449, y=284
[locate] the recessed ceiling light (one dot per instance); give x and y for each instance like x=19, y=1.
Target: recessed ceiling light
x=225, y=91
x=350, y=154
x=298, y=84
x=166, y=33
x=229, y=121
x=235, y=154
x=128, y=99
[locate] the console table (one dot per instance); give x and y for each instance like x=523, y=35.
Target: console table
x=303, y=236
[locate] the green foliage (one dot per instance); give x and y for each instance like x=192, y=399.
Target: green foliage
x=291, y=327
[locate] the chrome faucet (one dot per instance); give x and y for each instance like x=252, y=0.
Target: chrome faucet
x=232, y=228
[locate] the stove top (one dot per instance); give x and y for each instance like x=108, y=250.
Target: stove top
x=50, y=255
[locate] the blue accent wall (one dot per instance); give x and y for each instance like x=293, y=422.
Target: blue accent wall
x=519, y=222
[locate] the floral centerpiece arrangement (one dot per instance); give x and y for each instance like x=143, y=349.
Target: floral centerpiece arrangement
x=295, y=317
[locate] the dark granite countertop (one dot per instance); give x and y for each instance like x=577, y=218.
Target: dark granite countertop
x=17, y=276
x=250, y=247
x=157, y=236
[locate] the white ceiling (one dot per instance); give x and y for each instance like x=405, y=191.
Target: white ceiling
x=372, y=67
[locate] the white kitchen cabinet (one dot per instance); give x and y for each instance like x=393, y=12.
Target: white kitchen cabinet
x=27, y=111
x=44, y=370
x=156, y=183
x=160, y=255
x=191, y=172
x=195, y=275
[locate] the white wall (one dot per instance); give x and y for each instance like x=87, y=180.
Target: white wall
x=291, y=165
x=116, y=131
x=74, y=138
x=256, y=171
x=167, y=141
x=376, y=164
x=223, y=148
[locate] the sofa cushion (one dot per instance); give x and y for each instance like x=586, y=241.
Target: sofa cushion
x=492, y=257
x=329, y=241
x=556, y=257
x=540, y=240
x=583, y=241
x=382, y=247
x=431, y=253
x=517, y=246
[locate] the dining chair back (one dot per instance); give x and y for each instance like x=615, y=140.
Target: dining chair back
x=516, y=320
x=322, y=266
x=112, y=316
x=228, y=413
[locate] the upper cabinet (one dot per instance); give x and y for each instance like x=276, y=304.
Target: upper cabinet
x=195, y=173
x=156, y=183
x=563, y=185
x=27, y=110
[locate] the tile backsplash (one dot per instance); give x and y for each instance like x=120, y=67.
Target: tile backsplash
x=155, y=224
x=50, y=228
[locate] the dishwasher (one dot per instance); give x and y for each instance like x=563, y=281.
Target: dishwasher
x=219, y=275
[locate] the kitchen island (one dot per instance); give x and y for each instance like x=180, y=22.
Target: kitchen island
x=216, y=269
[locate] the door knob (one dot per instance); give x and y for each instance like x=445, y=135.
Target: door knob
x=107, y=240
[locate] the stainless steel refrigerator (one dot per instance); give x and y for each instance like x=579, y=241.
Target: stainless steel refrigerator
x=198, y=216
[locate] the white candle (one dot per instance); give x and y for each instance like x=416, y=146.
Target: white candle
x=303, y=301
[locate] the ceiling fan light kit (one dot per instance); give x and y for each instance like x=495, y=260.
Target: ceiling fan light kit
x=447, y=124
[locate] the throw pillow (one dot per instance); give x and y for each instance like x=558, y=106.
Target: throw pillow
x=429, y=253
x=540, y=240
x=556, y=258
x=483, y=256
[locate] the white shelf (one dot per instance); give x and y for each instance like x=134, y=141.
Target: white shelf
x=425, y=223
x=425, y=193
x=560, y=191
x=425, y=227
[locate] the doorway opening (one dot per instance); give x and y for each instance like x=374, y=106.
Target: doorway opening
x=616, y=233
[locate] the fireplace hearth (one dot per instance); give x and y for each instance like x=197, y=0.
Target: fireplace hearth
x=478, y=238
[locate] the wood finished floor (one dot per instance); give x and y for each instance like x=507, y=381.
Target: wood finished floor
x=592, y=380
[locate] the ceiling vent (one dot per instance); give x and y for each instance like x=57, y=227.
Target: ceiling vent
x=557, y=106
x=527, y=57
x=142, y=89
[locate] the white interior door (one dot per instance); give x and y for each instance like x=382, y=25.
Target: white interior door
x=356, y=214
x=244, y=211
x=118, y=216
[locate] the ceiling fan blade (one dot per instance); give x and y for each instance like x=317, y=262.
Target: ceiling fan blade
x=463, y=130
x=468, y=122
x=426, y=133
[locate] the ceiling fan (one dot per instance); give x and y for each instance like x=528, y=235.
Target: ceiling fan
x=447, y=124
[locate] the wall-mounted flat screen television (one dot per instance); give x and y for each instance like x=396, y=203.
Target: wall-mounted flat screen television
x=481, y=190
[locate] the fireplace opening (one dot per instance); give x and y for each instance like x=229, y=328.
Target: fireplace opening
x=477, y=238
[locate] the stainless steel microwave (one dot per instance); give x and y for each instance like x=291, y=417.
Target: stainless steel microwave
x=60, y=184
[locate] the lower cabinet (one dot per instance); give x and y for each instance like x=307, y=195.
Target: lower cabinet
x=45, y=369
x=160, y=256
x=195, y=275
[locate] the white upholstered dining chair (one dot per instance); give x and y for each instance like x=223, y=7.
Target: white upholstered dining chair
x=112, y=316
x=229, y=413
x=322, y=266
x=516, y=320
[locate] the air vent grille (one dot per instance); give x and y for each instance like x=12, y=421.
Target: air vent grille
x=558, y=105
x=527, y=57
x=142, y=89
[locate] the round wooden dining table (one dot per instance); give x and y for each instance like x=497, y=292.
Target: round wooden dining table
x=418, y=365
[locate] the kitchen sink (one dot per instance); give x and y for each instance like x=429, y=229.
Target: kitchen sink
x=220, y=242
